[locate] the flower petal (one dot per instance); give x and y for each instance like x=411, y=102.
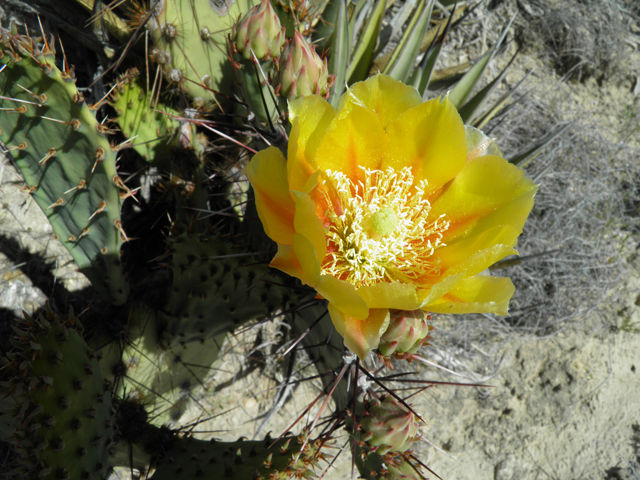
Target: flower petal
x=476, y=253
x=514, y=213
x=478, y=144
x=267, y=173
x=483, y=186
x=479, y=294
x=430, y=139
x=310, y=117
x=353, y=142
x=306, y=255
x=401, y=296
x=361, y=336
x=387, y=97
x=342, y=295
x=287, y=261
x=307, y=223
x=437, y=291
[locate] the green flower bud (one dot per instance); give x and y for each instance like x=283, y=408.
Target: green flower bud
x=388, y=426
x=302, y=71
x=260, y=30
x=406, y=333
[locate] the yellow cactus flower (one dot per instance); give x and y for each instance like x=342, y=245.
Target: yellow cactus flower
x=390, y=203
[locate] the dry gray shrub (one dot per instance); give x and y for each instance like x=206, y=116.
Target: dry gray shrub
x=582, y=39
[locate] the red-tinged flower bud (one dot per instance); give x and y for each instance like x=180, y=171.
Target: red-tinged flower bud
x=260, y=30
x=406, y=333
x=388, y=426
x=302, y=71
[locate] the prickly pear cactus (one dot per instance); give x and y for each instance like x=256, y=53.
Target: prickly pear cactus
x=190, y=43
x=187, y=458
x=62, y=405
x=150, y=126
x=163, y=379
x=65, y=157
x=216, y=288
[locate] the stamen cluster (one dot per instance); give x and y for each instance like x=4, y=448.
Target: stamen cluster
x=380, y=230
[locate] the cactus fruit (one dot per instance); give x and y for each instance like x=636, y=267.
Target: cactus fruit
x=181, y=458
x=64, y=155
x=260, y=31
x=388, y=426
x=302, y=71
x=407, y=332
x=190, y=43
x=151, y=127
x=62, y=406
x=217, y=288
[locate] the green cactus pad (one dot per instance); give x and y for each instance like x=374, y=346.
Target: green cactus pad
x=216, y=288
x=162, y=379
x=190, y=41
x=150, y=125
x=63, y=410
x=188, y=458
x=65, y=158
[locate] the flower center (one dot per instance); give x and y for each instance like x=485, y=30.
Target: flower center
x=379, y=230
x=383, y=222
